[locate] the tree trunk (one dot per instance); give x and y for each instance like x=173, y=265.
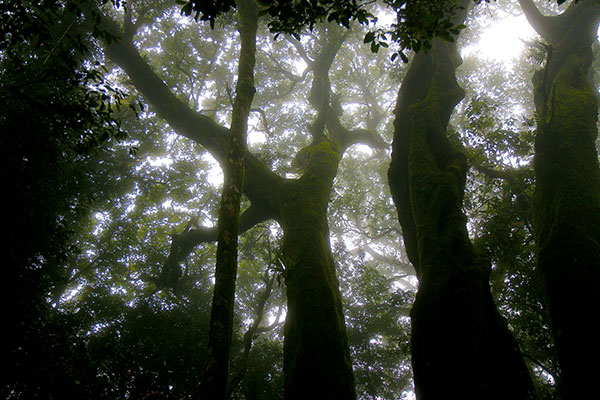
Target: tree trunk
x=567, y=193
x=316, y=354
x=221, y=318
x=317, y=362
x=459, y=340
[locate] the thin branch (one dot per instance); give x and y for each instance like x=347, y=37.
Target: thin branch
x=59, y=40
x=506, y=174
x=251, y=333
x=183, y=244
x=540, y=364
x=263, y=117
x=296, y=43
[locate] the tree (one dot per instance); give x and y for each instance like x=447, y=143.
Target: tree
x=316, y=342
x=215, y=384
x=457, y=332
x=567, y=194
x=58, y=119
x=129, y=316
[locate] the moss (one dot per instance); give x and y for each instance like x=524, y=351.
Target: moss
x=566, y=161
x=437, y=170
x=457, y=333
x=567, y=206
x=317, y=360
x=315, y=155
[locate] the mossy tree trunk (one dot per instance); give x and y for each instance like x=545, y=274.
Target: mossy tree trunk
x=567, y=193
x=459, y=341
x=220, y=333
x=315, y=320
x=317, y=362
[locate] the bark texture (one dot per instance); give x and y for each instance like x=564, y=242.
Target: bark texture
x=221, y=319
x=317, y=361
x=315, y=320
x=567, y=193
x=459, y=340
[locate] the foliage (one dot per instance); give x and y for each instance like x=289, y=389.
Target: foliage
x=88, y=225
x=58, y=114
x=418, y=21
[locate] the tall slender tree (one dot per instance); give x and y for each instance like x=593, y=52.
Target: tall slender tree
x=459, y=339
x=567, y=193
x=221, y=321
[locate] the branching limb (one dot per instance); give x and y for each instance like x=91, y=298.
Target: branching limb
x=538, y=21
x=265, y=121
x=296, y=43
x=363, y=136
x=182, y=244
x=508, y=174
x=365, y=84
x=260, y=183
x=328, y=106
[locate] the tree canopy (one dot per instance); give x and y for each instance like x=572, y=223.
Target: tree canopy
x=126, y=125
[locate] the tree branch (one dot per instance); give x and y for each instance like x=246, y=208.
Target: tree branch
x=182, y=244
x=362, y=136
x=508, y=174
x=296, y=43
x=260, y=183
x=538, y=21
x=252, y=332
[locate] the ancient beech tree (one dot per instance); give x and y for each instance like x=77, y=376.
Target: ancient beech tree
x=316, y=354
x=459, y=339
x=567, y=193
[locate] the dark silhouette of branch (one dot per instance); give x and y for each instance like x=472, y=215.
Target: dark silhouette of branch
x=254, y=330
x=182, y=244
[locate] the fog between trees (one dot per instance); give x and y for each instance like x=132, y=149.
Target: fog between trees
x=425, y=228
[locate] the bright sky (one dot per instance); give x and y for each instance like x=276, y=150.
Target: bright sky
x=503, y=41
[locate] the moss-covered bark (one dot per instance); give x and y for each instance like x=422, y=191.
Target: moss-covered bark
x=317, y=362
x=221, y=318
x=459, y=342
x=567, y=193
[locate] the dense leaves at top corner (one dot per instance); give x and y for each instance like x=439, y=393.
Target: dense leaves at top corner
x=418, y=21
x=24, y=21
x=204, y=10
x=290, y=16
x=287, y=16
